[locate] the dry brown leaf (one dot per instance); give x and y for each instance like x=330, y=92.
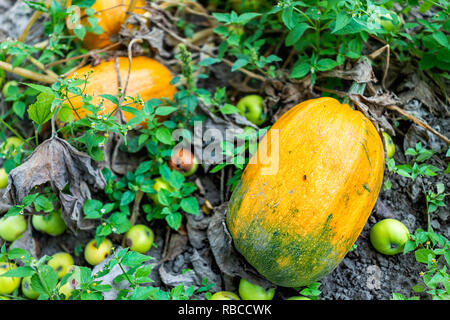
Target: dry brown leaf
x=57, y=163
x=361, y=73
x=230, y=262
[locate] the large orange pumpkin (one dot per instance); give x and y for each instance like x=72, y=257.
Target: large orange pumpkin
x=296, y=224
x=148, y=78
x=111, y=15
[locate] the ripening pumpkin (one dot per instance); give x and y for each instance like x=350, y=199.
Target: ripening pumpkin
x=296, y=224
x=148, y=78
x=111, y=15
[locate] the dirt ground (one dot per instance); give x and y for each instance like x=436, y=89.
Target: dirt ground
x=363, y=274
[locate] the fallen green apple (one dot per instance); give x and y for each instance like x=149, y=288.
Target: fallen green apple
x=61, y=262
x=252, y=108
x=139, y=238
x=51, y=223
x=94, y=254
x=160, y=183
x=298, y=298
x=184, y=161
x=225, y=295
x=11, y=145
x=8, y=284
x=11, y=228
x=389, y=145
x=250, y=291
x=389, y=236
x=27, y=290
x=3, y=178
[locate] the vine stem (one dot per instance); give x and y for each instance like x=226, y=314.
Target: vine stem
x=14, y=132
x=36, y=15
x=27, y=73
x=135, y=212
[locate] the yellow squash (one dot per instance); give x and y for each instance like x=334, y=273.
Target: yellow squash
x=296, y=224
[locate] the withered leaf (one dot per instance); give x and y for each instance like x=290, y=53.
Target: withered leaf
x=230, y=262
x=60, y=165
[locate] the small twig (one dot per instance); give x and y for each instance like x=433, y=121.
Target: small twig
x=222, y=183
x=42, y=67
x=397, y=109
x=197, y=48
x=82, y=56
x=419, y=122
x=27, y=73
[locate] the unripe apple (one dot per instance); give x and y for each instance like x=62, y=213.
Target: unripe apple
x=389, y=236
x=11, y=144
x=252, y=108
x=389, y=145
x=389, y=21
x=94, y=254
x=11, y=228
x=8, y=284
x=160, y=183
x=3, y=178
x=139, y=238
x=27, y=290
x=61, y=262
x=298, y=298
x=250, y=291
x=51, y=223
x=184, y=161
x=225, y=295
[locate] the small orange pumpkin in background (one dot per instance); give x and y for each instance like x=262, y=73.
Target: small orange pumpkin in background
x=111, y=15
x=295, y=225
x=148, y=78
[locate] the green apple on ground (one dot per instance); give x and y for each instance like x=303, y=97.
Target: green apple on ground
x=7, y=85
x=389, y=145
x=67, y=288
x=225, y=295
x=298, y=298
x=27, y=290
x=252, y=108
x=139, y=238
x=250, y=291
x=389, y=236
x=160, y=183
x=390, y=21
x=11, y=144
x=61, y=262
x=94, y=254
x=51, y=223
x=184, y=161
x=8, y=284
x=11, y=228
x=3, y=178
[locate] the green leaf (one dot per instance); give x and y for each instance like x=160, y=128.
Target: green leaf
x=295, y=34
x=174, y=220
x=65, y=114
x=422, y=255
x=229, y=109
x=300, y=70
x=342, y=20
x=240, y=63
x=163, y=135
x=41, y=111
x=127, y=198
x=19, y=272
x=326, y=64
x=164, y=111
x=190, y=205
x=134, y=259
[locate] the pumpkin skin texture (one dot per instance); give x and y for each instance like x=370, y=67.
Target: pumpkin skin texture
x=148, y=78
x=111, y=15
x=296, y=225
